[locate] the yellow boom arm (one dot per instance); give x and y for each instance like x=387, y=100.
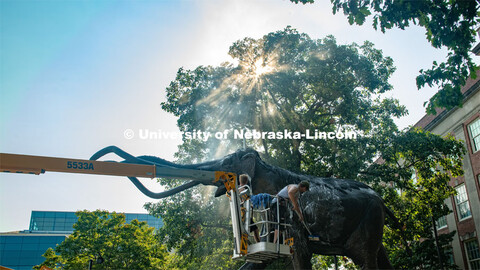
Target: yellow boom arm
x=37, y=164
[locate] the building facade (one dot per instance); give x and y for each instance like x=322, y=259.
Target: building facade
x=24, y=249
x=464, y=123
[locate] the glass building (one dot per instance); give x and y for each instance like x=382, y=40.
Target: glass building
x=62, y=222
x=24, y=249
x=21, y=250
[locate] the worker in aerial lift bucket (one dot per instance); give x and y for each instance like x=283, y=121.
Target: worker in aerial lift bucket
x=288, y=193
x=244, y=179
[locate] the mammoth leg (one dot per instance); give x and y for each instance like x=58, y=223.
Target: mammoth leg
x=364, y=244
x=302, y=259
x=360, y=254
x=251, y=266
x=281, y=263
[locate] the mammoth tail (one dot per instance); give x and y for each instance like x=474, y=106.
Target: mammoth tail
x=400, y=228
x=391, y=215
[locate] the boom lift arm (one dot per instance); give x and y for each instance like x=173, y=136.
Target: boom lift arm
x=39, y=164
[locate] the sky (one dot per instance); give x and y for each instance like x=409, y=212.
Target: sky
x=75, y=75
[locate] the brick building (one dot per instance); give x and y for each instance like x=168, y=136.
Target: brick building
x=464, y=124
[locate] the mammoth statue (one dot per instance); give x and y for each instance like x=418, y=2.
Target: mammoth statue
x=348, y=216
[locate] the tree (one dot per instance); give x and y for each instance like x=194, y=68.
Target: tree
x=287, y=81
x=418, y=166
x=105, y=235
x=196, y=228
x=449, y=24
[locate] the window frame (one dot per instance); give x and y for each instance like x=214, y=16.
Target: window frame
x=474, y=145
x=466, y=201
x=438, y=223
x=467, y=252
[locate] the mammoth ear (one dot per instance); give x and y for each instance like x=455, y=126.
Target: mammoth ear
x=248, y=164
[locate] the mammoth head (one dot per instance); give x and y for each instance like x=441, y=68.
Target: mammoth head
x=240, y=162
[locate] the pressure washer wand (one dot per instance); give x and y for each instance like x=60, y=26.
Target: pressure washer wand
x=303, y=221
x=308, y=230
x=311, y=237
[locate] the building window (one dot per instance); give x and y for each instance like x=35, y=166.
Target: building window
x=442, y=223
x=448, y=252
x=473, y=253
x=461, y=200
x=474, y=129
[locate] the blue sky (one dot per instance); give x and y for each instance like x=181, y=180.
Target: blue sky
x=74, y=75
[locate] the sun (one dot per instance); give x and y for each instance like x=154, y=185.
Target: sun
x=260, y=68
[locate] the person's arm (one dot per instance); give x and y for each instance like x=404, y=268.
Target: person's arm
x=293, y=195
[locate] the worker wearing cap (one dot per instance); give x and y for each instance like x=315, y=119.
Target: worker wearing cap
x=288, y=193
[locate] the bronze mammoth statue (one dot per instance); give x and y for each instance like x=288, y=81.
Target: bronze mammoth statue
x=348, y=216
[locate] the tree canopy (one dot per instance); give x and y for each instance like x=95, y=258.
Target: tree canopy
x=288, y=81
x=418, y=166
x=101, y=235
x=448, y=24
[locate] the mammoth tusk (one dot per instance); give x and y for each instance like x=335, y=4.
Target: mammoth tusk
x=128, y=158
x=113, y=149
x=164, y=194
x=147, y=160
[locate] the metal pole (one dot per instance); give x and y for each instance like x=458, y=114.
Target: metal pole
x=435, y=233
x=335, y=261
x=90, y=264
x=278, y=224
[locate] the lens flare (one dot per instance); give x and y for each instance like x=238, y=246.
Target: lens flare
x=260, y=68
